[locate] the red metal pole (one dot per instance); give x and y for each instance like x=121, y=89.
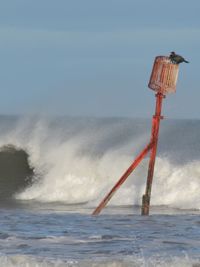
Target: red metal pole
x=123, y=178
x=154, y=140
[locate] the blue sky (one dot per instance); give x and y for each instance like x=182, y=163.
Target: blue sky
x=94, y=58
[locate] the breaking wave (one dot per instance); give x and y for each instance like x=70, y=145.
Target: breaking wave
x=15, y=172
x=77, y=160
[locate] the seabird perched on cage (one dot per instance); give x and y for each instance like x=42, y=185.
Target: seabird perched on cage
x=177, y=59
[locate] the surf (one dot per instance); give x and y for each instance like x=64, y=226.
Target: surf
x=77, y=160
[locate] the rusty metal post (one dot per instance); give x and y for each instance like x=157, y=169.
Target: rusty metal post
x=163, y=81
x=154, y=140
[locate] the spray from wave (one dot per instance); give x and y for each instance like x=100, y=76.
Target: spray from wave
x=78, y=160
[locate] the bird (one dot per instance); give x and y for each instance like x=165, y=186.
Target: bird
x=177, y=59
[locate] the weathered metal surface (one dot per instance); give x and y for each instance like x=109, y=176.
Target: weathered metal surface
x=164, y=75
x=154, y=140
x=163, y=80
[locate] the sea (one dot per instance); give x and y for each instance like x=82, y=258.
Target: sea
x=54, y=171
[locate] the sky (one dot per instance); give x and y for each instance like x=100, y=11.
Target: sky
x=94, y=57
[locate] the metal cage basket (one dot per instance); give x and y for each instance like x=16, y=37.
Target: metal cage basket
x=164, y=75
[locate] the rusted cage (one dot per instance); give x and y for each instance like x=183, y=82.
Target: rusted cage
x=164, y=75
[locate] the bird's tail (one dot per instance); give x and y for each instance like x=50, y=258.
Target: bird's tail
x=186, y=61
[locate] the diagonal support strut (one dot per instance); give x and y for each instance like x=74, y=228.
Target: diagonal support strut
x=136, y=162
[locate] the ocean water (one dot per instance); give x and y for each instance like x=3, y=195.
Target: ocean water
x=55, y=171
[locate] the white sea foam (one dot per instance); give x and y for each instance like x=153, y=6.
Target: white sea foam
x=26, y=261
x=76, y=169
